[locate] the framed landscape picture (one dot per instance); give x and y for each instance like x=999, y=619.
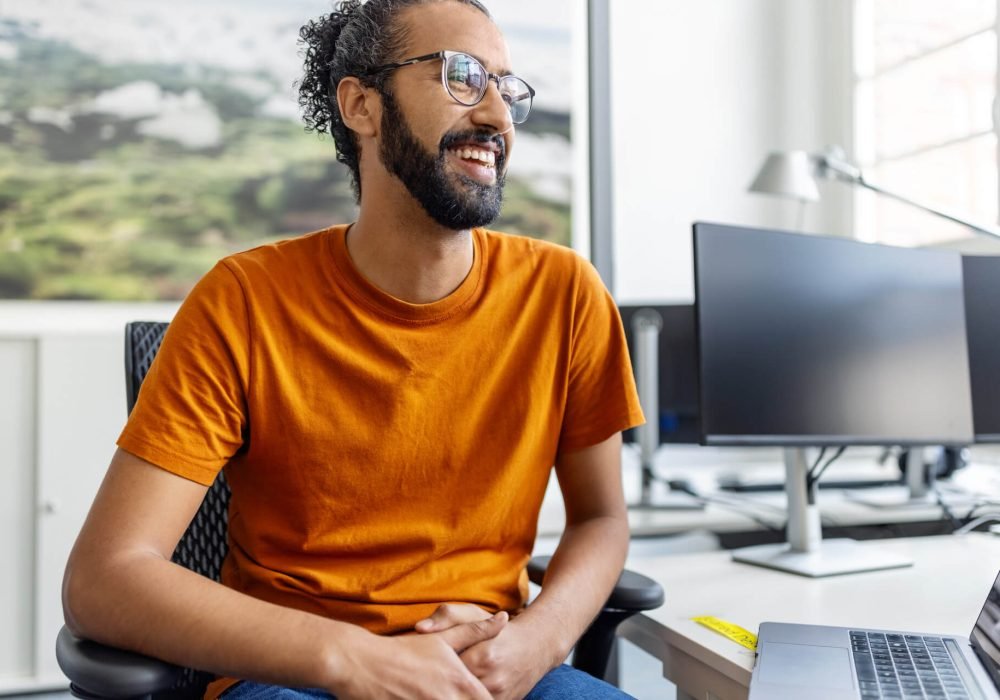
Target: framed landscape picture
x=142, y=141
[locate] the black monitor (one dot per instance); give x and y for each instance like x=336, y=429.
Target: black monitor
x=809, y=340
x=677, y=370
x=982, y=294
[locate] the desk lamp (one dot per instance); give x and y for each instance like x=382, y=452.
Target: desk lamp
x=789, y=174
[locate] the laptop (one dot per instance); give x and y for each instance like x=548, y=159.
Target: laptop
x=817, y=662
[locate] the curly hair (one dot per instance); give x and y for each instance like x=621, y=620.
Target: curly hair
x=356, y=37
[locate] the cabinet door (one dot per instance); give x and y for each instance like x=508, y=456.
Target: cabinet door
x=17, y=499
x=81, y=405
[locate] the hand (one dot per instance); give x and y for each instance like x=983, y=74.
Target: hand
x=419, y=667
x=449, y=615
x=510, y=664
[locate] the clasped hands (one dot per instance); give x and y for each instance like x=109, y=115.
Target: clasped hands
x=459, y=652
x=508, y=665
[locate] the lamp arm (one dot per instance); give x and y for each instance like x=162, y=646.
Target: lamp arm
x=988, y=230
x=833, y=165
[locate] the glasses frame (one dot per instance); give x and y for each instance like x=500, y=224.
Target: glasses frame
x=444, y=56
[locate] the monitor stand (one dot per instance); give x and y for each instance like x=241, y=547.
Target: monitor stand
x=646, y=327
x=918, y=487
x=806, y=553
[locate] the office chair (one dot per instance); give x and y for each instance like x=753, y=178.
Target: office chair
x=98, y=671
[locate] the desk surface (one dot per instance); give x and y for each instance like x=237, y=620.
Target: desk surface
x=942, y=593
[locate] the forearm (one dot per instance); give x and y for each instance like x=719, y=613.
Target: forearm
x=147, y=604
x=583, y=570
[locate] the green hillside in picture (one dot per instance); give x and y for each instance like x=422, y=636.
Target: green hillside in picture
x=99, y=200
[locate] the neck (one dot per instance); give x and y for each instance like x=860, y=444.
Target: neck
x=403, y=252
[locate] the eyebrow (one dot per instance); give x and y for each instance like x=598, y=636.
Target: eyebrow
x=502, y=72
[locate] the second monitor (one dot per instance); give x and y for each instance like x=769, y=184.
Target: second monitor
x=810, y=341
x=677, y=364
x=982, y=292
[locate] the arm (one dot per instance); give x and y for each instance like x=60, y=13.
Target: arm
x=120, y=586
x=592, y=549
x=580, y=577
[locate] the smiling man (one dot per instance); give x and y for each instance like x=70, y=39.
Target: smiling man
x=387, y=399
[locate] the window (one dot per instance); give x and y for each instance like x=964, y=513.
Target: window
x=925, y=85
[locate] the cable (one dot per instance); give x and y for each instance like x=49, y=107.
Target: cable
x=826, y=465
x=956, y=524
x=819, y=458
x=817, y=471
x=684, y=487
x=980, y=504
x=970, y=526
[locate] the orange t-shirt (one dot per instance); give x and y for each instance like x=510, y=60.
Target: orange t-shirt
x=384, y=457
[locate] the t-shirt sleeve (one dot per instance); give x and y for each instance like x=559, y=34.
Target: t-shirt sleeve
x=191, y=414
x=602, y=398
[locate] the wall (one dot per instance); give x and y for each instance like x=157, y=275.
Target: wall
x=701, y=92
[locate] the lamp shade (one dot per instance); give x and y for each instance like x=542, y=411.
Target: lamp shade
x=787, y=174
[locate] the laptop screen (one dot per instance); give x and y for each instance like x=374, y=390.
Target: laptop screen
x=985, y=635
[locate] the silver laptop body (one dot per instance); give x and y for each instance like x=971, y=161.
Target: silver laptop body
x=817, y=662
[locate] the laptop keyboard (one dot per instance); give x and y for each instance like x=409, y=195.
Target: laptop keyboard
x=905, y=666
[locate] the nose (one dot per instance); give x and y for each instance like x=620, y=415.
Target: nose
x=493, y=112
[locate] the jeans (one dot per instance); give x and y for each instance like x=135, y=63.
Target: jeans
x=561, y=683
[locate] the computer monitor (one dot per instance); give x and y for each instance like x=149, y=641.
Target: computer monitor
x=678, y=369
x=810, y=340
x=982, y=292
x=806, y=341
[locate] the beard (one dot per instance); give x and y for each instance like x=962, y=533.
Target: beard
x=454, y=201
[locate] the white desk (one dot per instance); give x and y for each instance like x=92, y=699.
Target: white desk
x=942, y=593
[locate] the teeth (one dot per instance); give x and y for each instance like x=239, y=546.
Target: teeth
x=485, y=157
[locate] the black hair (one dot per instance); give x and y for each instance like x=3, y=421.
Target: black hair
x=353, y=39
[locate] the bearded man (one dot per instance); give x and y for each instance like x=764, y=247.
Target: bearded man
x=387, y=399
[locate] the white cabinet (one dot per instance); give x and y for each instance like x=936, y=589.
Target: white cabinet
x=17, y=495
x=62, y=406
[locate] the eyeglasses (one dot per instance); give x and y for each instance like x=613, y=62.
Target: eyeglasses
x=466, y=80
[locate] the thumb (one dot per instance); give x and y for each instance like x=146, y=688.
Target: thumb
x=450, y=615
x=463, y=636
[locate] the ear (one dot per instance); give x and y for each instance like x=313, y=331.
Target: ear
x=359, y=106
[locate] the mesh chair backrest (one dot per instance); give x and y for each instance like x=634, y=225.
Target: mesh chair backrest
x=204, y=544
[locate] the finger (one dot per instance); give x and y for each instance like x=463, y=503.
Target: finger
x=475, y=688
x=449, y=615
x=479, y=690
x=442, y=618
x=463, y=636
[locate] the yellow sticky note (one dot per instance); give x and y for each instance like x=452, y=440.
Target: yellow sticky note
x=729, y=630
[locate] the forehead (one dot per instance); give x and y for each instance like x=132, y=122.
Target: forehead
x=455, y=26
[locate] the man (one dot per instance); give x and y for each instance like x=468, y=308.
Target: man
x=387, y=400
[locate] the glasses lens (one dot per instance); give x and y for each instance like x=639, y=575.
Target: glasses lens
x=517, y=95
x=466, y=78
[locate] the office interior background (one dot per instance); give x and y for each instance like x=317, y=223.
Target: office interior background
x=692, y=97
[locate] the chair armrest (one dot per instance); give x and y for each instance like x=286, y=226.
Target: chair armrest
x=96, y=670
x=633, y=592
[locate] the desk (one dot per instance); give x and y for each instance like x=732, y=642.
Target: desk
x=942, y=593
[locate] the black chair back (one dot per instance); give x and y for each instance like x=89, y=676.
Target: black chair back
x=205, y=543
